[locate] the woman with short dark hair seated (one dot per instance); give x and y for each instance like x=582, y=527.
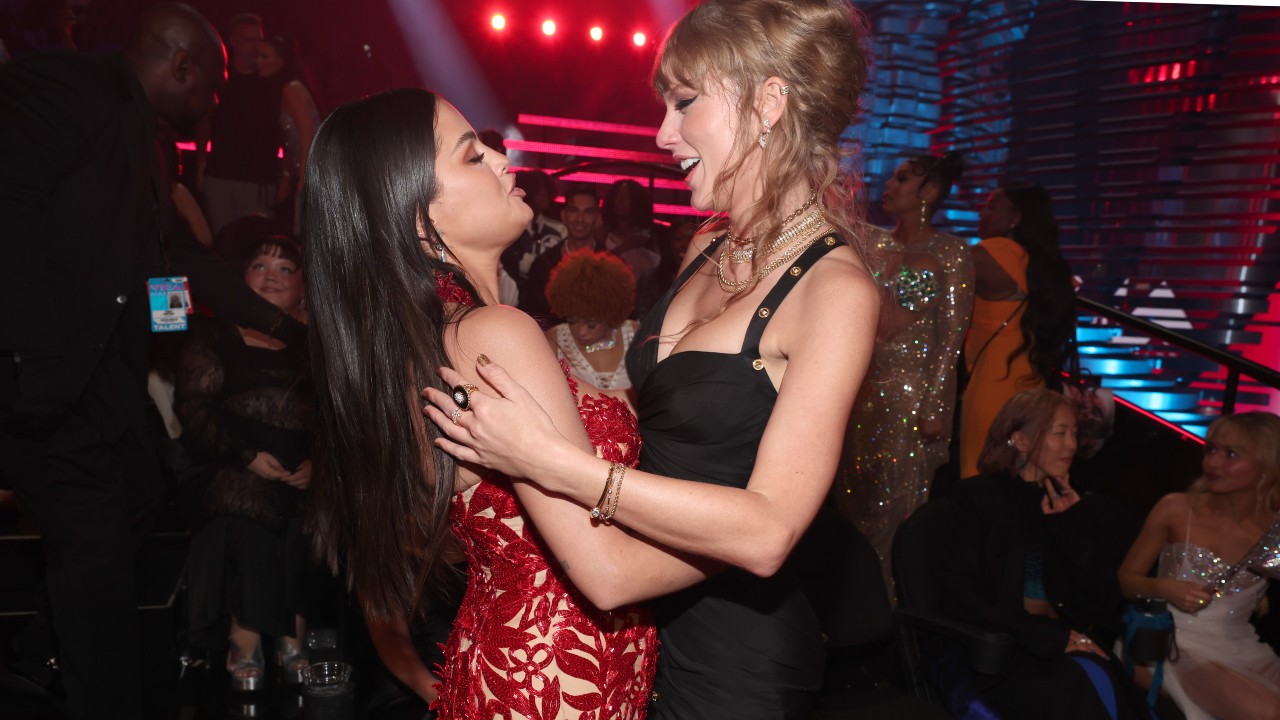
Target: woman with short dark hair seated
x=246, y=408
x=1022, y=558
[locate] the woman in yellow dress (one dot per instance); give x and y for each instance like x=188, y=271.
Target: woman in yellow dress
x=1023, y=313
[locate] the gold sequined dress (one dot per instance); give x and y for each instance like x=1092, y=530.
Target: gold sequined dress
x=926, y=299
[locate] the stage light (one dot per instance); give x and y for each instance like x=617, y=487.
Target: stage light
x=548, y=27
x=498, y=22
x=596, y=33
x=639, y=39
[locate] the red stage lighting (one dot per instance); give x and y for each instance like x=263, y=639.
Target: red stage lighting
x=498, y=22
x=639, y=39
x=596, y=33
x=548, y=27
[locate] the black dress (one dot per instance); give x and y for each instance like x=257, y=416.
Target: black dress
x=248, y=556
x=736, y=645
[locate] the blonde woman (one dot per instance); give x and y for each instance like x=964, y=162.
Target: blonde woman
x=1222, y=669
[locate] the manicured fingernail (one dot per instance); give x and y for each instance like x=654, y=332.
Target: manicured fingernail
x=483, y=359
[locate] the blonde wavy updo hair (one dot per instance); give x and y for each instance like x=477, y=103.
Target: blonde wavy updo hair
x=1256, y=434
x=819, y=49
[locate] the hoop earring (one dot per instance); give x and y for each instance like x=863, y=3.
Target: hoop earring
x=764, y=136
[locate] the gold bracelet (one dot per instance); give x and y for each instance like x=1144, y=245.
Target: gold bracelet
x=617, y=491
x=597, y=512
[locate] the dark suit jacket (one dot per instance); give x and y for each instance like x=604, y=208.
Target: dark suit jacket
x=980, y=567
x=83, y=207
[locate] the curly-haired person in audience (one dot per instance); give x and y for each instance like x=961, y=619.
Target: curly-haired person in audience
x=595, y=293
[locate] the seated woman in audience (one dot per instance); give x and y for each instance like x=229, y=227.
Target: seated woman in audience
x=1021, y=558
x=245, y=410
x=1023, y=320
x=1221, y=668
x=596, y=292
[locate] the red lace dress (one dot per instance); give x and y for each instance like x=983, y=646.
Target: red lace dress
x=525, y=643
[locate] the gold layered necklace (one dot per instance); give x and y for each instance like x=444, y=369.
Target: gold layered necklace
x=742, y=251
x=737, y=286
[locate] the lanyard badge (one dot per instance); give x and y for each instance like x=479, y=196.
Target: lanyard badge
x=170, y=303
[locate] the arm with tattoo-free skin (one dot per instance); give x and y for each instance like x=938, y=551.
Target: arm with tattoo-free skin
x=1135, y=571
x=609, y=565
x=816, y=349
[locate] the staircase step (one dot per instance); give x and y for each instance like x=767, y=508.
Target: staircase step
x=1118, y=364
x=1181, y=399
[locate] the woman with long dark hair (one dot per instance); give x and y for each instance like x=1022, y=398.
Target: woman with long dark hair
x=407, y=215
x=900, y=431
x=746, y=369
x=1021, y=334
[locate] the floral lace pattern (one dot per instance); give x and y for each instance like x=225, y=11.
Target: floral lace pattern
x=525, y=644
x=448, y=290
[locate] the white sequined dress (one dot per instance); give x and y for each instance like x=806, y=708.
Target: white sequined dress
x=1219, y=638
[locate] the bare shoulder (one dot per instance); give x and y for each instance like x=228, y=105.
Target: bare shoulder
x=840, y=281
x=499, y=329
x=1170, y=509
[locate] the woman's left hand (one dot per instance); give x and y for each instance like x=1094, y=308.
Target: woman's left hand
x=510, y=433
x=299, y=478
x=1059, y=496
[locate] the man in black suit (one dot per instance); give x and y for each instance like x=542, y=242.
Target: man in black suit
x=84, y=203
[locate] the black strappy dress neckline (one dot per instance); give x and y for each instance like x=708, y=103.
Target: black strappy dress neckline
x=736, y=645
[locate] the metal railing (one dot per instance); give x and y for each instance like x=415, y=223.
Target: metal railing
x=1234, y=364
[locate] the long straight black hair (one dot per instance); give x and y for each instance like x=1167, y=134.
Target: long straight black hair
x=380, y=491
x=1048, y=323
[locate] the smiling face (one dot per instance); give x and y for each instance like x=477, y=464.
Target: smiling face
x=580, y=214
x=1051, y=456
x=699, y=131
x=276, y=279
x=478, y=202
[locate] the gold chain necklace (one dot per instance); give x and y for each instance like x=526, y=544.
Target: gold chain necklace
x=734, y=239
x=741, y=256
x=737, y=286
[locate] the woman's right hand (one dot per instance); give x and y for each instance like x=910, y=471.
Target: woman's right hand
x=265, y=465
x=1079, y=642
x=510, y=433
x=1186, y=596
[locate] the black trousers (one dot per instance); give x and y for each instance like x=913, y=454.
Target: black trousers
x=92, y=501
